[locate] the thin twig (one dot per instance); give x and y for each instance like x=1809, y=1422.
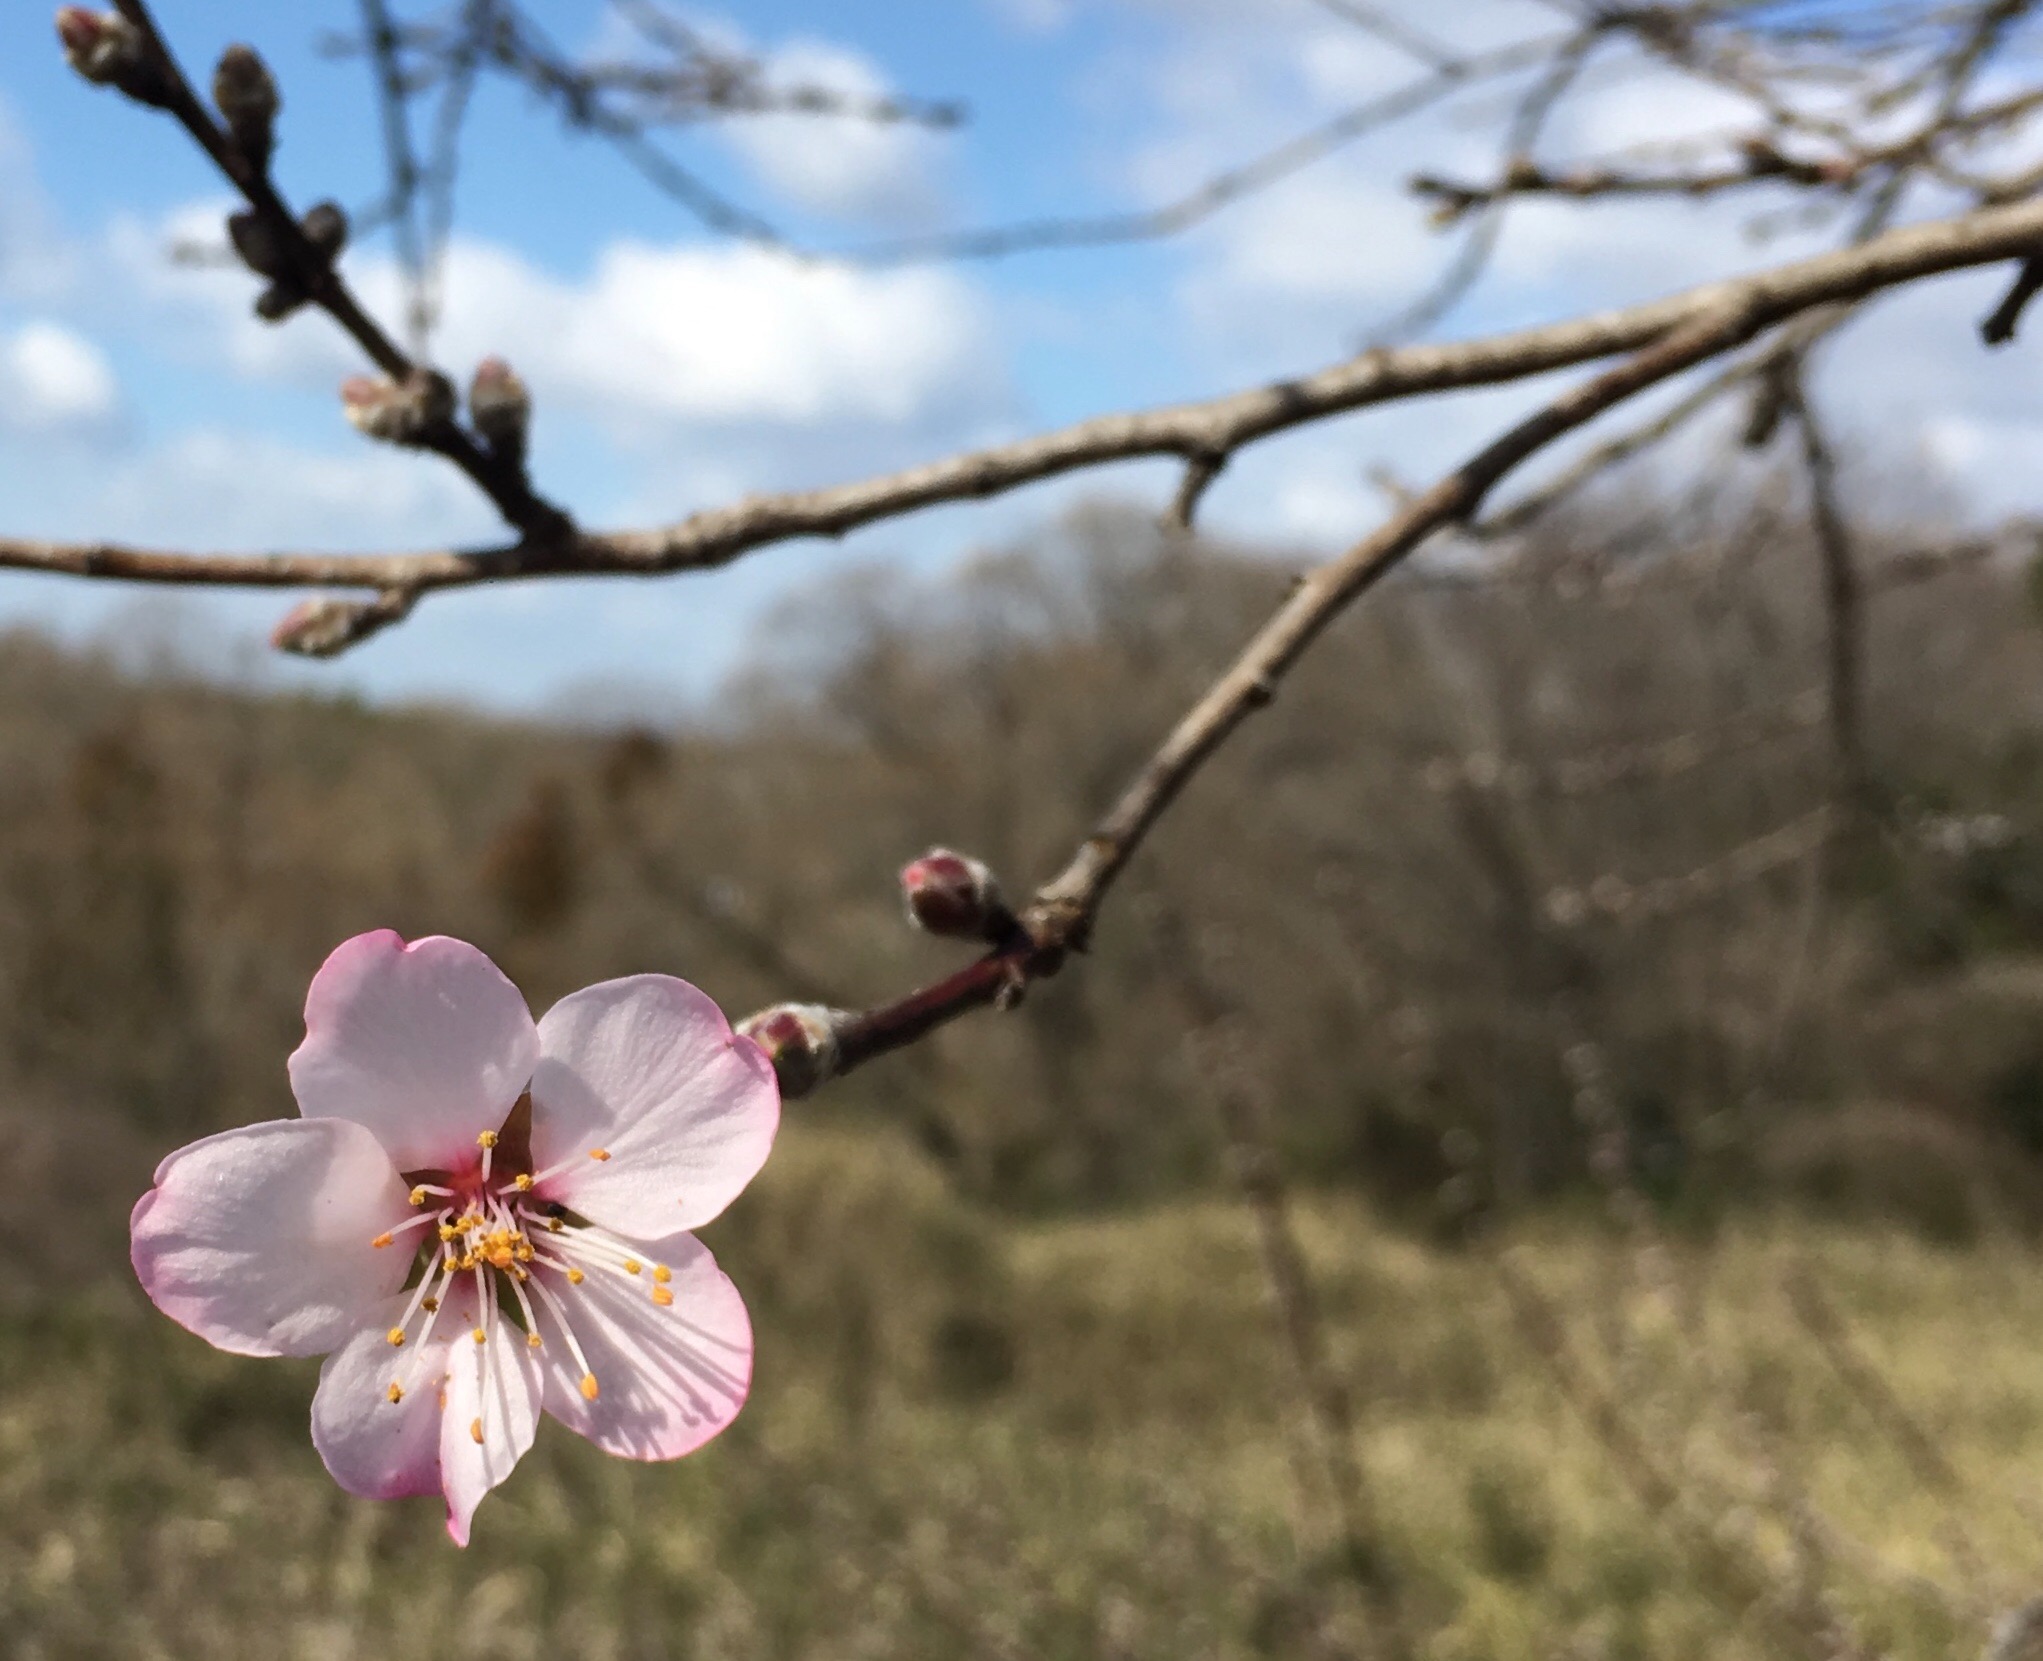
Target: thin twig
x=1843, y=605
x=313, y=272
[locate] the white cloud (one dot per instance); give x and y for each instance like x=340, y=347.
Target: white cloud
x=54, y=381
x=679, y=334
x=725, y=334
x=841, y=166
x=218, y=489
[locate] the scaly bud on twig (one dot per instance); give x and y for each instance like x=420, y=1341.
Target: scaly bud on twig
x=326, y=227
x=327, y=627
x=501, y=409
x=260, y=243
x=395, y=412
x=108, y=50
x=801, y=1042
x=246, y=93
x=955, y=896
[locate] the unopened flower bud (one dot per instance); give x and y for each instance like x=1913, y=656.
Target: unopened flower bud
x=501, y=408
x=108, y=50
x=256, y=239
x=329, y=626
x=954, y=896
x=398, y=412
x=800, y=1040
x=326, y=227
x=246, y=93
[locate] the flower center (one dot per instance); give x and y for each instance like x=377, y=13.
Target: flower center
x=530, y=1259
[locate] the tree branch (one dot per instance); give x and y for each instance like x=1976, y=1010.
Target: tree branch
x=1061, y=917
x=1214, y=428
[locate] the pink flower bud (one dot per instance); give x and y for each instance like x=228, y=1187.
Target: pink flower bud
x=501, y=407
x=395, y=412
x=246, y=93
x=327, y=627
x=108, y=50
x=800, y=1040
x=954, y=896
x=315, y=628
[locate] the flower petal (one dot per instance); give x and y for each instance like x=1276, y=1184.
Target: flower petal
x=669, y=1377
x=648, y=1071
x=376, y=1448
x=426, y=1044
x=492, y=1413
x=260, y=1239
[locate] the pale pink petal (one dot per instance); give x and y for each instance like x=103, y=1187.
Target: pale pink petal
x=426, y=1044
x=648, y=1071
x=668, y=1378
x=377, y=1448
x=493, y=1389
x=260, y=1239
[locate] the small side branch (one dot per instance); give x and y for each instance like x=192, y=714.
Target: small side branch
x=2000, y=326
x=300, y=265
x=1843, y=604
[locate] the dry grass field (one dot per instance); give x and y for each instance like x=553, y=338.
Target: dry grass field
x=1075, y=1438
x=1511, y=901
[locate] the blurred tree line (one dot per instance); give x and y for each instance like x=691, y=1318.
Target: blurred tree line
x=1533, y=853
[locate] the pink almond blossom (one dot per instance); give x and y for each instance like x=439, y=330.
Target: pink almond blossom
x=477, y=1217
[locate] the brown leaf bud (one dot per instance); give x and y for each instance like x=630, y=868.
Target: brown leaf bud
x=952, y=895
x=801, y=1042
x=246, y=93
x=500, y=406
x=398, y=412
x=108, y=50
x=279, y=300
x=326, y=227
x=260, y=243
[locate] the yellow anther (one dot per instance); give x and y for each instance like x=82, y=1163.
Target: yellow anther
x=662, y=1273
x=532, y=1340
x=632, y=1265
x=662, y=1296
x=475, y=1430
x=554, y=1225
x=380, y=1241
x=453, y=1264
x=575, y=1277
x=396, y=1337
x=395, y=1393
x=488, y=1139
x=599, y=1154
x=522, y=1182
x=589, y=1390
x=479, y=1336
x=431, y=1306
x=526, y=1251
x=418, y=1196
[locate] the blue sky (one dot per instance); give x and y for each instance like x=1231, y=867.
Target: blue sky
x=675, y=370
